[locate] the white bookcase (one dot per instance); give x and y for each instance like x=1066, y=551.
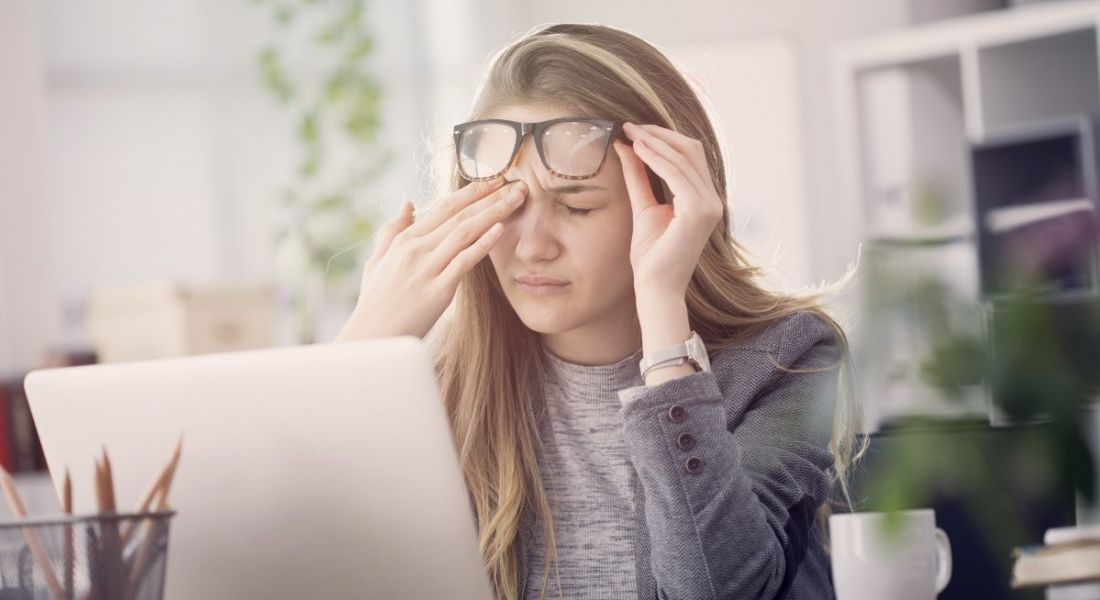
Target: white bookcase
x=910, y=107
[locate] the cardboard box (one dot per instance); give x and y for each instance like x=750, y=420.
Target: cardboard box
x=162, y=320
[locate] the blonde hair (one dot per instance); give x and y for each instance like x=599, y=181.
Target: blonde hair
x=489, y=363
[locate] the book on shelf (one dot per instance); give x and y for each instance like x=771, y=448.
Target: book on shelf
x=20, y=447
x=7, y=445
x=1068, y=555
x=20, y=435
x=1006, y=218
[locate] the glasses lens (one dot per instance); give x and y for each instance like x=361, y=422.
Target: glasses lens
x=484, y=149
x=575, y=148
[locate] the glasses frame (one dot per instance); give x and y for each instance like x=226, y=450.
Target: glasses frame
x=537, y=130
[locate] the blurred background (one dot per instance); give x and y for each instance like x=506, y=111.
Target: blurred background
x=150, y=142
x=192, y=176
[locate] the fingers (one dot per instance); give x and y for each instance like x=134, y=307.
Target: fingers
x=467, y=259
x=473, y=228
x=436, y=236
x=451, y=204
x=396, y=226
x=689, y=147
x=667, y=162
x=637, y=182
x=668, y=171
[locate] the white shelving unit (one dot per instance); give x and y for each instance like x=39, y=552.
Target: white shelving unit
x=909, y=106
x=909, y=102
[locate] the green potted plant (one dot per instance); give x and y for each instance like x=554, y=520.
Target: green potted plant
x=336, y=112
x=1038, y=356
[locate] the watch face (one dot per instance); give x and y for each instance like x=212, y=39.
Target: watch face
x=699, y=350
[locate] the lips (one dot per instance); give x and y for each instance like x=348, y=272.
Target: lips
x=539, y=280
x=540, y=285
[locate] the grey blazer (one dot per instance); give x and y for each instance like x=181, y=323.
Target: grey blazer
x=738, y=522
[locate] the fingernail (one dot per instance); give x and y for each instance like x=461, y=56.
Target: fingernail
x=514, y=197
x=521, y=186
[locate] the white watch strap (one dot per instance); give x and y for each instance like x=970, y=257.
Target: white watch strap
x=665, y=354
x=672, y=355
x=666, y=363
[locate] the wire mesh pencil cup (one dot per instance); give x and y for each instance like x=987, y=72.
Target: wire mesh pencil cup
x=110, y=557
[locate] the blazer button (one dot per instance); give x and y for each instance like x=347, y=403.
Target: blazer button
x=694, y=465
x=685, y=441
x=676, y=413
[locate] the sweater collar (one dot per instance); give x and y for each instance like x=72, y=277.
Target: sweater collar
x=604, y=379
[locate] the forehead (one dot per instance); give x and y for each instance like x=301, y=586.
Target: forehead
x=531, y=113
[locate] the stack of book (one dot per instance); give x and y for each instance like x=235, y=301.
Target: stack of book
x=20, y=449
x=1068, y=561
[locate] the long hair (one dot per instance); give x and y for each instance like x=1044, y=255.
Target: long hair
x=490, y=365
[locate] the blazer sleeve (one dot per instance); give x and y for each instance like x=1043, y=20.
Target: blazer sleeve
x=736, y=524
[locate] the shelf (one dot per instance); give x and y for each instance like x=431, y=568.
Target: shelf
x=951, y=37
x=967, y=148
x=1036, y=187
x=1006, y=218
x=914, y=398
x=958, y=229
x=902, y=267
x=1052, y=296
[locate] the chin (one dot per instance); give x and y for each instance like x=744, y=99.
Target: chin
x=542, y=320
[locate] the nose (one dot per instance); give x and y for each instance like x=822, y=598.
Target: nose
x=535, y=238
x=533, y=222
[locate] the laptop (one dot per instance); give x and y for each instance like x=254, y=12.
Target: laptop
x=323, y=470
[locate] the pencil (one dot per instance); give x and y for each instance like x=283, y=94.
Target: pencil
x=67, y=502
x=111, y=539
x=147, y=498
x=98, y=568
x=40, y=557
x=95, y=563
x=99, y=498
x=152, y=531
x=109, y=481
x=102, y=565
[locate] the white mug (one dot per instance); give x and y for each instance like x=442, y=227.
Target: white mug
x=869, y=562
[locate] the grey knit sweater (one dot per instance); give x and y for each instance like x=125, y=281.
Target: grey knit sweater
x=586, y=473
x=701, y=487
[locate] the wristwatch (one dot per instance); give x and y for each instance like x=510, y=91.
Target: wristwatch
x=692, y=351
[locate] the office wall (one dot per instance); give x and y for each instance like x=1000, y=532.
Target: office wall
x=138, y=145
x=26, y=322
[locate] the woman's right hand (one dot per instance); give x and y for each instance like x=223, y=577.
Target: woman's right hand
x=414, y=271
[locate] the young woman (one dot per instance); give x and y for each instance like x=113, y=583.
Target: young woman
x=600, y=241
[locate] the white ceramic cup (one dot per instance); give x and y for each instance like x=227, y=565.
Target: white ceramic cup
x=911, y=562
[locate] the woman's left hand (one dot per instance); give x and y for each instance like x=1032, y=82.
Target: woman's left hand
x=668, y=238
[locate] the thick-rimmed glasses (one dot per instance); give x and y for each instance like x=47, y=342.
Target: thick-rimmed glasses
x=569, y=147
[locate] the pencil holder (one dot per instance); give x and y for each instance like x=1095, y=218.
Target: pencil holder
x=99, y=557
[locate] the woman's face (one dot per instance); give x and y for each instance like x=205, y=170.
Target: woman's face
x=552, y=236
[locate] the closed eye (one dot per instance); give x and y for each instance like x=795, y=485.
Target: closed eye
x=577, y=211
